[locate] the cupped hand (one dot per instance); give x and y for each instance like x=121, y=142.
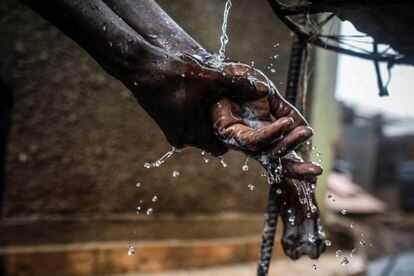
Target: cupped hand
x=177, y=91
x=268, y=124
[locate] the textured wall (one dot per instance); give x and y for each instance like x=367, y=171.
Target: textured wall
x=79, y=140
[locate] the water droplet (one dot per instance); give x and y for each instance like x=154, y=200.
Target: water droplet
x=110, y=44
x=362, y=243
x=273, y=70
x=311, y=238
x=131, y=249
x=23, y=157
x=183, y=75
x=351, y=225
x=314, y=266
x=278, y=191
x=344, y=212
x=160, y=161
x=245, y=167
x=276, y=45
x=224, y=39
x=206, y=160
x=135, y=83
x=203, y=152
x=318, y=154
x=289, y=211
x=345, y=261
x=175, y=173
x=138, y=184
x=352, y=253
x=313, y=148
x=292, y=220
x=320, y=230
x=150, y=211
x=139, y=208
x=263, y=174
x=104, y=27
x=154, y=199
x=328, y=243
x=222, y=161
x=251, y=187
x=338, y=253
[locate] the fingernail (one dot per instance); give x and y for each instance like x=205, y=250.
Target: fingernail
x=288, y=121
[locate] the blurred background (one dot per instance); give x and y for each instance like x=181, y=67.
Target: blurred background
x=77, y=199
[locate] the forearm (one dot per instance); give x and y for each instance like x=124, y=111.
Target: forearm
x=148, y=19
x=93, y=25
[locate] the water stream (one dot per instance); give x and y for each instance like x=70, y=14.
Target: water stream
x=224, y=39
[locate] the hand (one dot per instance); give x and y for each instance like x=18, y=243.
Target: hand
x=266, y=125
x=178, y=92
x=302, y=232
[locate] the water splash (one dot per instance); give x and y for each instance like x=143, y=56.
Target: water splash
x=222, y=161
x=305, y=191
x=131, y=249
x=345, y=261
x=224, y=39
x=245, y=167
x=205, y=159
x=160, y=161
x=175, y=173
x=352, y=253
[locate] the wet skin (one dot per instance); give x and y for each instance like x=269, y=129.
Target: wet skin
x=194, y=101
x=268, y=128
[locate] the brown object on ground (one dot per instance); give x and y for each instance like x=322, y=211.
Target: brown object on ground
x=343, y=194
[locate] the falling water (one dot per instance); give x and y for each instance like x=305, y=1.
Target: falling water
x=305, y=194
x=131, y=249
x=245, y=167
x=224, y=39
x=162, y=159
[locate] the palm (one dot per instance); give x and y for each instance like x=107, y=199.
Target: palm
x=266, y=126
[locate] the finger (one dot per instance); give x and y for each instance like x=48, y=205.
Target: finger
x=302, y=170
x=247, y=138
x=292, y=140
x=267, y=135
x=279, y=107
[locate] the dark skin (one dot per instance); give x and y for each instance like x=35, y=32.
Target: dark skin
x=275, y=129
x=176, y=81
